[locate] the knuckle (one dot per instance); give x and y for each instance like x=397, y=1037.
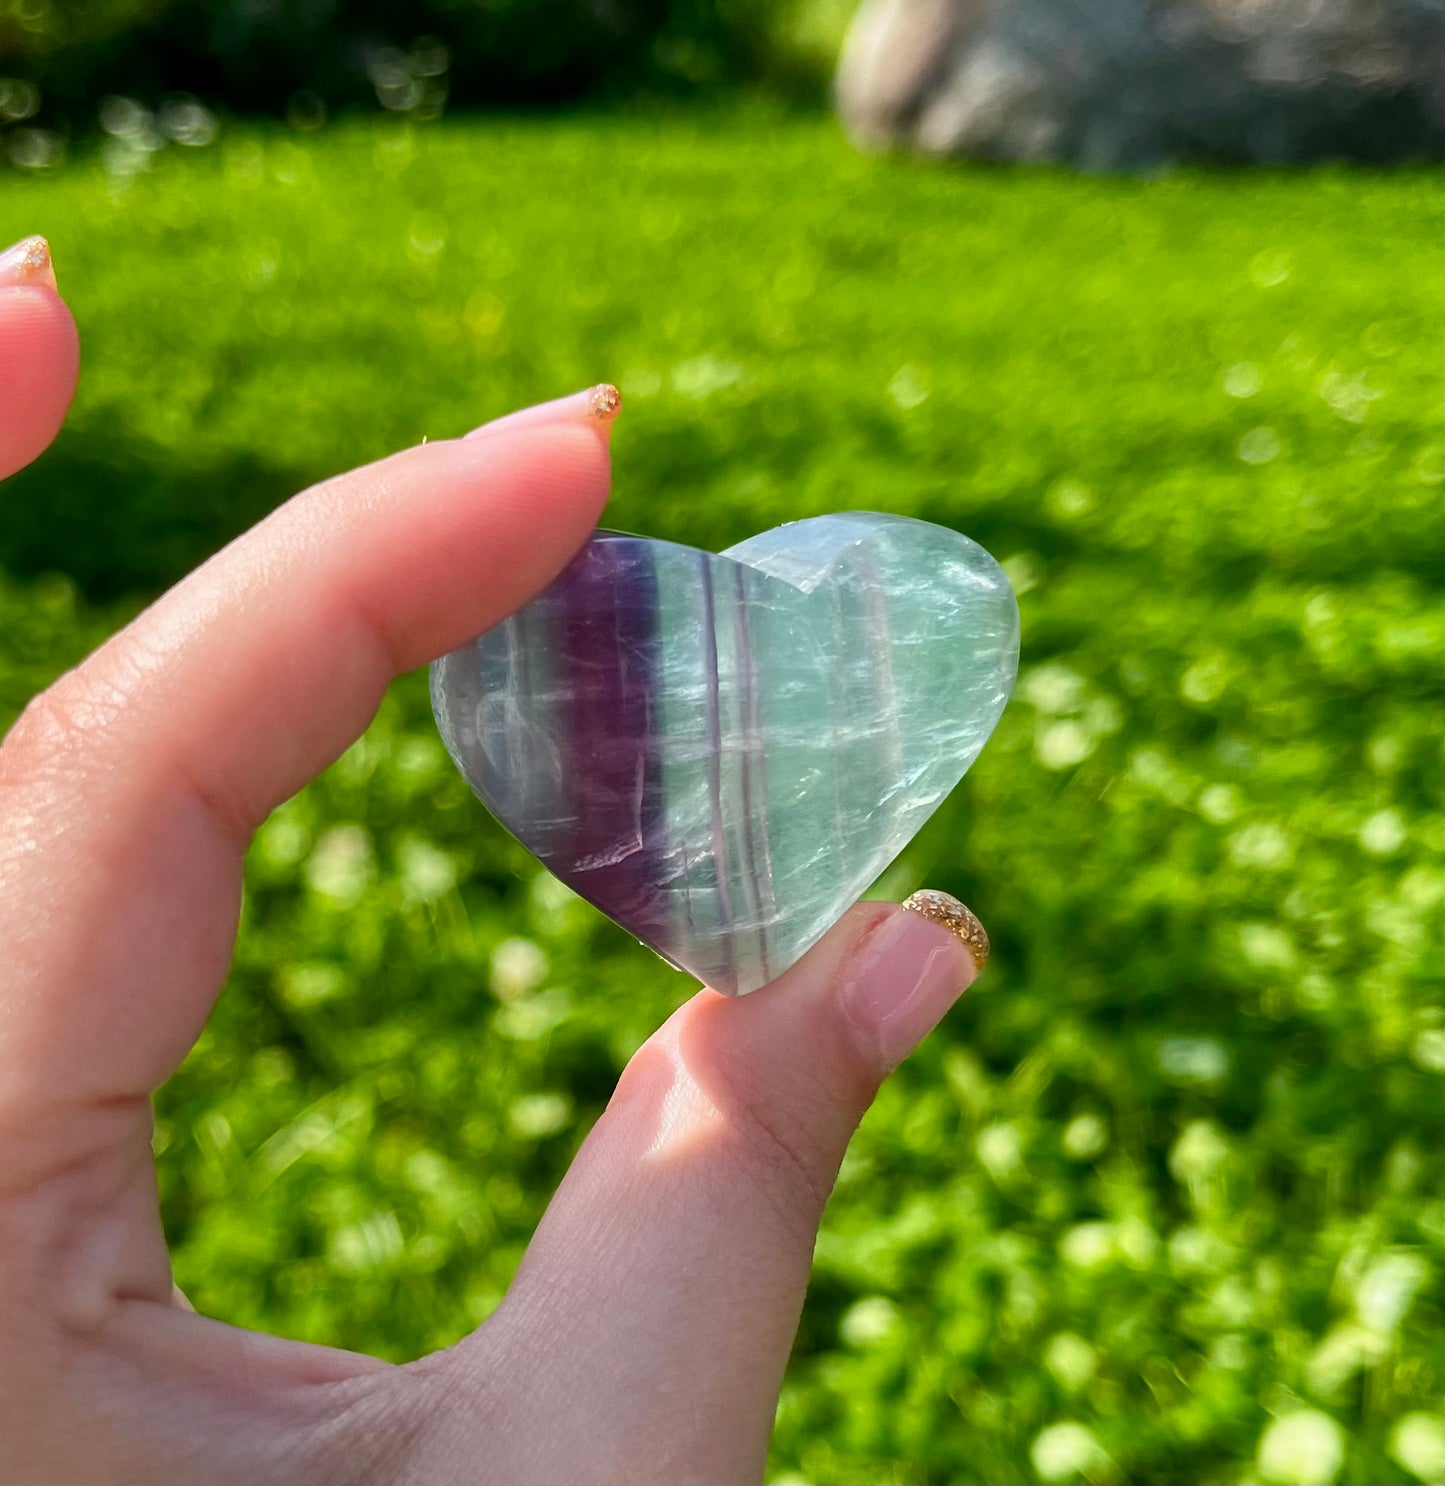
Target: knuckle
x=48, y=731
x=784, y=1163
x=44, y=733
x=60, y=724
x=774, y=1129
x=790, y=1133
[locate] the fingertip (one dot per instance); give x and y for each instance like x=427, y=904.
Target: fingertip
x=562, y=470
x=27, y=262
x=905, y=974
x=594, y=407
x=863, y=998
x=39, y=366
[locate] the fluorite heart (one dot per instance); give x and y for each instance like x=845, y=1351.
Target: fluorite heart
x=723, y=751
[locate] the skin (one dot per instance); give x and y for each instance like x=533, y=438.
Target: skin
x=645, y=1336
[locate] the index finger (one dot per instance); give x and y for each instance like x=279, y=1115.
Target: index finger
x=129, y=790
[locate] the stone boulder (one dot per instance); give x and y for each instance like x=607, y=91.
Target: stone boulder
x=1132, y=84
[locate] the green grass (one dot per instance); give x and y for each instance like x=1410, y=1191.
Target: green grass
x=1172, y=1171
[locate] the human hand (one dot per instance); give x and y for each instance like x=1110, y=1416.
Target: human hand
x=645, y=1335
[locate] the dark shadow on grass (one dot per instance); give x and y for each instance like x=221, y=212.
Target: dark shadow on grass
x=124, y=518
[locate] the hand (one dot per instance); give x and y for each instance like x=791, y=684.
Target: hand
x=645, y=1336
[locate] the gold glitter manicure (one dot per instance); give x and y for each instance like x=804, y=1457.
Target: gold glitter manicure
x=27, y=262
x=956, y=917
x=604, y=401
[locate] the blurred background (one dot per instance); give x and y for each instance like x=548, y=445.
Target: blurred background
x=1146, y=298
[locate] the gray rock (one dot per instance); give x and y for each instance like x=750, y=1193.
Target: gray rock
x=1130, y=84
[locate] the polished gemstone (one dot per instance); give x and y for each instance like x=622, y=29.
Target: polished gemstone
x=722, y=751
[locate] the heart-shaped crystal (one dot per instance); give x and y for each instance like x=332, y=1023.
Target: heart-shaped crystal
x=722, y=751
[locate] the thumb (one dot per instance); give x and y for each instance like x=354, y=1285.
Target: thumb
x=39, y=354
x=670, y=1268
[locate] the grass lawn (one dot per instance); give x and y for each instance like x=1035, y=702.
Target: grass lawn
x=1162, y=1200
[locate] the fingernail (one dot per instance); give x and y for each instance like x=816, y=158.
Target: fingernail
x=597, y=405
x=911, y=969
x=28, y=262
